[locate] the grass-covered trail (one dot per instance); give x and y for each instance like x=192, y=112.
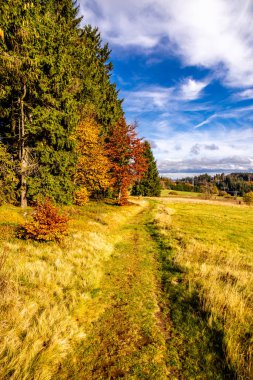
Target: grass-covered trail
x=126, y=341
x=151, y=326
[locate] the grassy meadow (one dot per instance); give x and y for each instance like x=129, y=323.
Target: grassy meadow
x=211, y=247
x=194, y=195
x=155, y=290
x=177, y=193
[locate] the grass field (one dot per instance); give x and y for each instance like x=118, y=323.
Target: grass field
x=192, y=194
x=188, y=194
x=155, y=290
x=212, y=246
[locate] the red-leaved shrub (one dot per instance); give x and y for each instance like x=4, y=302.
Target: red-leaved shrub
x=47, y=223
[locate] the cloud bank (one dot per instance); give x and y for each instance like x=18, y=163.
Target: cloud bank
x=205, y=164
x=232, y=152
x=215, y=34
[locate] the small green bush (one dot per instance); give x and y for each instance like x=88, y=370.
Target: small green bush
x=248, y=198
x=173, y=192
x=222, y=193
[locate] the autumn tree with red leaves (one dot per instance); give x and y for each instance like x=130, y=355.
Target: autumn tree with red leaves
x=126, y=153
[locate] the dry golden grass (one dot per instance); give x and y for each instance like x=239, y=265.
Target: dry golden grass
x=92, y=303
x=213, y=244
x=46, y=289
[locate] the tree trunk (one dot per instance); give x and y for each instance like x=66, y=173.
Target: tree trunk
x=123, y=196
x=23, y=156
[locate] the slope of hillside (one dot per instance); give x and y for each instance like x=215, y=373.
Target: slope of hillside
x=136, y=292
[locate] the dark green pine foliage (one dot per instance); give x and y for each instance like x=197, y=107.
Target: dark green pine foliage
x=8, y=178
x=50, y=68
x=149, y=185
x=94, y=70
x=19, y=71
x=56, y=113
x=37, y=95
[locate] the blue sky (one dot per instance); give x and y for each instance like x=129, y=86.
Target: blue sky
x=185, y=71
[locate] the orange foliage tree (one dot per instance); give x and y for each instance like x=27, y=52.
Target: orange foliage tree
x=47, y=223
x=92, y=170
x=126, y=153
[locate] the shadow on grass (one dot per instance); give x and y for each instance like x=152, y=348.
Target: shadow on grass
x=194, y=346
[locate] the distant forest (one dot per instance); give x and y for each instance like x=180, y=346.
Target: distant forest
x=222, y=184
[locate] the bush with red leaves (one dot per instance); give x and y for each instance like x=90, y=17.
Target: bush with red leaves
x=47, y=224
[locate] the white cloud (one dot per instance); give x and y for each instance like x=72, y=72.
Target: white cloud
x=165, y=99
x=191, y=89
x=246, y=94
x=124, y=23
x=212, y=34
x=216, y=34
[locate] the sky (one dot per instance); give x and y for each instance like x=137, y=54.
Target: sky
x=185, y=71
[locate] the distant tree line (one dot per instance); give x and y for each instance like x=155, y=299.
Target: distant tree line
x=63, y=133
x=233, y=184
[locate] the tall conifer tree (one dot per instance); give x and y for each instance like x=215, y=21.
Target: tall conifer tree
x=149, y=185
x=94, y=70
x=50, y=68
x=38, y=109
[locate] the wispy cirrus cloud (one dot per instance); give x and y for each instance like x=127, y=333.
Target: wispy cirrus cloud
x=206, y=121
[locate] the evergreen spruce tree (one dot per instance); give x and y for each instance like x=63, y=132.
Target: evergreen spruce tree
x=56, y=111
x=18, y=74
x=50, y=68
x=38, y=109
x=8, y=178
x=94, y=70
x=150, y=184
